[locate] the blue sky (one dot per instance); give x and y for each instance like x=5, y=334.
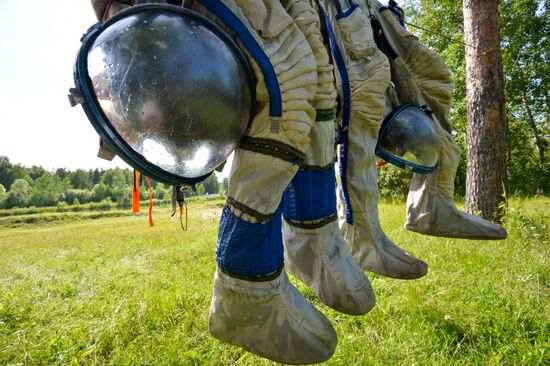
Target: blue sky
x=38, y=43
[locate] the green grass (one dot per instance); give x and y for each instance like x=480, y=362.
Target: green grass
x=62, y=213
x=114, y=291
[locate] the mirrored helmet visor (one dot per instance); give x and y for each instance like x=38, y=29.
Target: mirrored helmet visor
x=409, y=138
x=174, y=90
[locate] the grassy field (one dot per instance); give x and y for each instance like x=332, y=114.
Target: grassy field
x=114, y=291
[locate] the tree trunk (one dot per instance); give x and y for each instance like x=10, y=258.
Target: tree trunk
x=486, y=179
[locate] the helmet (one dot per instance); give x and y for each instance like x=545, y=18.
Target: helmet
x=409, y=139
x=166, y=89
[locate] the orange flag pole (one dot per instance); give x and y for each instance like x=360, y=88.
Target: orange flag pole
x=135, y=193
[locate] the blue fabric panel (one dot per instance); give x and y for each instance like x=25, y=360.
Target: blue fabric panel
x=232, y=22
x=347, y=13
x=346, y=107
x=248, y=249
x=310, y=196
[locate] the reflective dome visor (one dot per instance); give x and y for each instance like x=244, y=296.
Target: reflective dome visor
x=409, y=139
x=166, y=89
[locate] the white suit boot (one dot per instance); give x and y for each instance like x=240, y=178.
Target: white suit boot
x=254, y=306
x=365, y=77
x=315, y=251
x=270, y=318
x=423, y=78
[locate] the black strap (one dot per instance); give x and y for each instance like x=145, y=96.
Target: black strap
x=262, y=218
x=264, y=278
x=381, y=40
x=313, y=225
x=273, y=148
x=325, y=115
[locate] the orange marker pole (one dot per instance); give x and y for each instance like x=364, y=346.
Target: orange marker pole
x=135, y=193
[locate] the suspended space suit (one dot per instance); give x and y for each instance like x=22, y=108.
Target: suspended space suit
x=325, y=71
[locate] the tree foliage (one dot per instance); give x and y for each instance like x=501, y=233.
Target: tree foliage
x=211, y=185
x=19, y=194
x=526, y=54
x=3, y=194
x=35, y=186
x=47, y=190
x=9, y=173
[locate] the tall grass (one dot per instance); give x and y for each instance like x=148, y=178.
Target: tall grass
x=114, y=291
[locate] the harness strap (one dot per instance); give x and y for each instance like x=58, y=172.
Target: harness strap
x=313, y=225
x=262, y=218
x=325, y=115
x=178, y=200
x=346, y=108
x=273, y=148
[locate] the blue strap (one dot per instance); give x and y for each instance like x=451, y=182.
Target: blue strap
x=231, y=21
x=311, y=195
x=346, y=107
x=347, y=12
x=248, y=249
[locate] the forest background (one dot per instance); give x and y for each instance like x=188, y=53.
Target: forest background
x=525, y=30
x=84, y=282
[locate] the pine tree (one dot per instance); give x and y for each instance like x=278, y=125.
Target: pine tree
x=486, y=179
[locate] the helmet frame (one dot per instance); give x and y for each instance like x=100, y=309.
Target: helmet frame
x=99, y=120
x=390, y=158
